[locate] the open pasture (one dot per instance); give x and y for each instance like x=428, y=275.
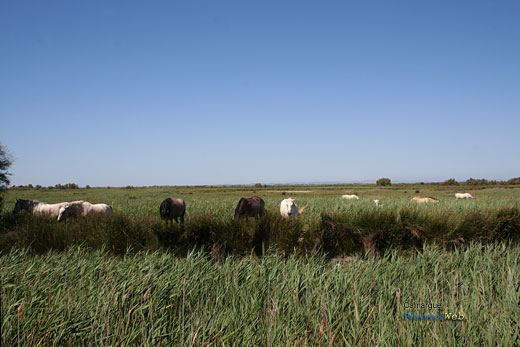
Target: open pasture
x=220, y=201
x=330, y=224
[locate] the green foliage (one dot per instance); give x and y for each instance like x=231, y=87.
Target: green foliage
x=480, y=182
x=384, y=182
x=67, y=186
x=365, y=229
x=82, y=297
x=5, y=164
x=450, y=182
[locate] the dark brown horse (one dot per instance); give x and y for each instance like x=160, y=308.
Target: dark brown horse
x=252, y=207
x=173, y=209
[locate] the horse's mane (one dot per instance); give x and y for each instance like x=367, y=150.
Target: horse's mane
x=28, y=200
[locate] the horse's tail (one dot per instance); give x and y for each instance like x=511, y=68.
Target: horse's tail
x=302, y=209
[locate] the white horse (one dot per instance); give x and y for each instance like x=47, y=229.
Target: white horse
x=464, y=196
x=350, y=197
x=83, y=208
x=38, y=208
x=289, y=209
x=421, y=200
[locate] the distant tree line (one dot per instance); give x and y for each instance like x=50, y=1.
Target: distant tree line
x=480, y=182
x=380, y=182
x=57, y=186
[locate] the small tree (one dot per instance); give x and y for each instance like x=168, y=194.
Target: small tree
x=384, y=182
x=5, y=163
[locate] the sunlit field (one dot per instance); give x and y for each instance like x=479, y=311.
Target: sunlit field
x=220, y=201
x=343, y=273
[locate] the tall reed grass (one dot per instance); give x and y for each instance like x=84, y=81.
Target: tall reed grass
x=355, y=229
x=82, y=297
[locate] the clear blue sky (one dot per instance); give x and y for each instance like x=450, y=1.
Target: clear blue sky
x=229, y=92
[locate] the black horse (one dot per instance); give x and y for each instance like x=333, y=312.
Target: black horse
x=173, y=209
x=252, y=207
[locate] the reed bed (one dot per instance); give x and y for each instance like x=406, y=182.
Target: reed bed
x=338, y=228
x=84, y=297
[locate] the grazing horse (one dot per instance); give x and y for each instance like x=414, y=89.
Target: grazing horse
x=83, y=208
x=464, y=196
x=289, y=209
x=421, y=200
x=38, y=208
x=251, y=207
x=350, y=197
x=172, y=209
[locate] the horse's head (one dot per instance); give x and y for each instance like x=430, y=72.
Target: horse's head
x=65, y=212
x=290, y=206
x=20, y=205
x=242, y=208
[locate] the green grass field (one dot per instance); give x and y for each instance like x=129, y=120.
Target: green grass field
x=221, y=201
x=132, y=280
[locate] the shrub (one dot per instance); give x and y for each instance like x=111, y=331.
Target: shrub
x=514, y=180
x=384, y=182
x=479, y=182
x=67, y=186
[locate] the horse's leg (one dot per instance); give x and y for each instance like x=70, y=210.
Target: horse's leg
x=176, y=220
x=182, y=218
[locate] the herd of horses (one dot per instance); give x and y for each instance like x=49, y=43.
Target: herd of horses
x=63, y=210
x=175, y=209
